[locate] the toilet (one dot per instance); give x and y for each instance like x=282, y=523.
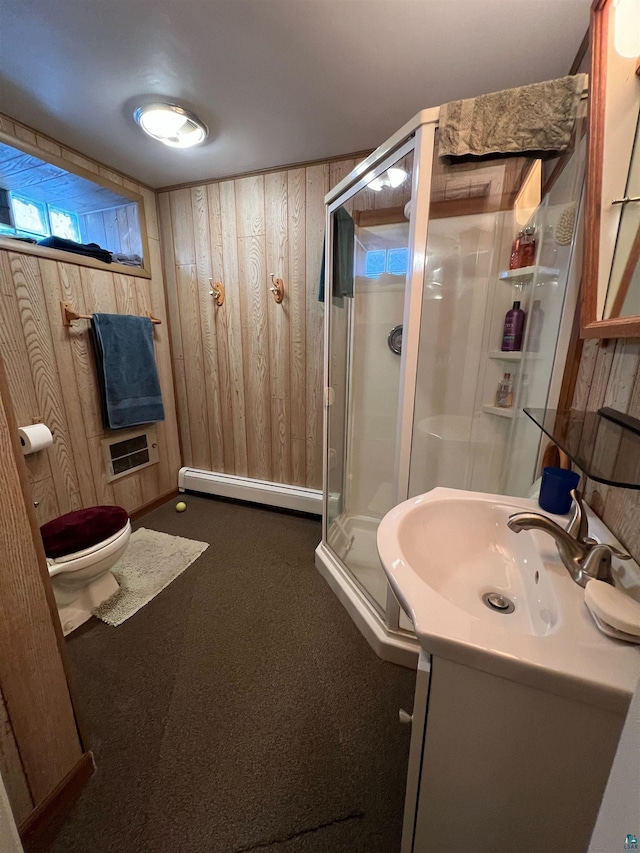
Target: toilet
x=81, y=547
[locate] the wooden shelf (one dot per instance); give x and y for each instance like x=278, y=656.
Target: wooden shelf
x=505, y=356
x=525, y=274
x=23, y=248
x=496, y=410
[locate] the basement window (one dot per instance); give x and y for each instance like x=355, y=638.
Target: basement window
x=392, y=261
x=42, y=200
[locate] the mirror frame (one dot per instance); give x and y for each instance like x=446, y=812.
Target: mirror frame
x=591, y=326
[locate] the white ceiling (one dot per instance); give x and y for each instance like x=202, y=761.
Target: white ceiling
x=277, y=81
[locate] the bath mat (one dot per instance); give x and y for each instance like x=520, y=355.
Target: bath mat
x=152, y=560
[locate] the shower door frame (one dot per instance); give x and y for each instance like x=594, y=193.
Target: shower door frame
x=418, y=136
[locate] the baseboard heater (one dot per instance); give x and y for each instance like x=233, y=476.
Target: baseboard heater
x=246, y=489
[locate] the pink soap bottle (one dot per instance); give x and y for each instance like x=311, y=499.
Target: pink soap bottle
x=513, y=329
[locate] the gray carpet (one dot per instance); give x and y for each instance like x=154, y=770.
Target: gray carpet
x=240, y=710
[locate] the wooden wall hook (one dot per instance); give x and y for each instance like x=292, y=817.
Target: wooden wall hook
x=217, y=291
x=277, y=288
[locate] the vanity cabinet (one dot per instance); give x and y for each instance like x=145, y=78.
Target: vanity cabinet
x=497, y=766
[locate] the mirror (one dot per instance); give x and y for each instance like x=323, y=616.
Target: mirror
x=611, y=280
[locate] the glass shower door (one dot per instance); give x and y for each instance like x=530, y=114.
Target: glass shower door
x=365, y=295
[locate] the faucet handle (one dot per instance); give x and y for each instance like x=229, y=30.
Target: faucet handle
x=578, y=527
x=597, y=563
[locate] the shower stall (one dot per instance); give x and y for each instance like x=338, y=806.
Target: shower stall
x=417, y=285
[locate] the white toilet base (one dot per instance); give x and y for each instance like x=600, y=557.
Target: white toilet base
x=76, y=612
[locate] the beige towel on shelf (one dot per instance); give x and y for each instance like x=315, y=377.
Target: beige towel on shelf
x=536, y=119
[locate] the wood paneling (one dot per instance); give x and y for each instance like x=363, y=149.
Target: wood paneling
x=11, y=769
x=609, y=375
x=249, y=379
x=51, y=371
x=317, y=186
x=116, y=229
x=33, y=681
x=297, y=289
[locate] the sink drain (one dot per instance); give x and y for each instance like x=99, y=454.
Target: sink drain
x=499, y=602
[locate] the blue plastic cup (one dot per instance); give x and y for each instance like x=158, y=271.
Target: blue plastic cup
x=555, y=489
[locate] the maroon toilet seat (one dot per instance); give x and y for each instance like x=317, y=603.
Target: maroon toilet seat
x=82, y=528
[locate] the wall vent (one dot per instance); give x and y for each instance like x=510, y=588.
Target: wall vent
x=130, y=451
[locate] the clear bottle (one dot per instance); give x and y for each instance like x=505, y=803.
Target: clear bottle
x=548, y=250
x=536, y=325
x=504, y=394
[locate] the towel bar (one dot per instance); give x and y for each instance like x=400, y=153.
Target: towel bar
x=69, y=315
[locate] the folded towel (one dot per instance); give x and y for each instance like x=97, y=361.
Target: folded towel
x=127, y=371
x=89, y=250
x=128, y=260
x=536, y=120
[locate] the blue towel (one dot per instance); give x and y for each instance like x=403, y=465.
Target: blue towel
x=127, y=370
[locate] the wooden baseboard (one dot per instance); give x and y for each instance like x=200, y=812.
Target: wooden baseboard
x=138, y=513
x=37, y=829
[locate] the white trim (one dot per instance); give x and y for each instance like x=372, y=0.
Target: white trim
x=400, y=649
x=328, y=266
x=418, y=236
x=356, y=184
x=382, y=151
x=246, y=489
x=416, y=749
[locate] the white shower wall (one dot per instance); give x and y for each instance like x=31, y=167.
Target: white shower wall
x=454, y=443
x=375, y=377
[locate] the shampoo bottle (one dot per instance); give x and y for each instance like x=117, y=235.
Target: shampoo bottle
x=513, y=329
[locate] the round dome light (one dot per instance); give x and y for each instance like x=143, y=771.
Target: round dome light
x=171, y=124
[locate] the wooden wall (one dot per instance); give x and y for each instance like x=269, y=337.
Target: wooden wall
x=609, y=375
x=51, y=371
x=116, y=229
x=39, y=741
x=249, y=374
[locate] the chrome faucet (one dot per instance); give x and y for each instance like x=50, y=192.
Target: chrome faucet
x=583, y=557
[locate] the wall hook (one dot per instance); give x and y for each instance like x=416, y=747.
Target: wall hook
x=217, y=291
x=277, y=288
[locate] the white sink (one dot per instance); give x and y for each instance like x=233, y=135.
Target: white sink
x=444, y=550
x=462, y=549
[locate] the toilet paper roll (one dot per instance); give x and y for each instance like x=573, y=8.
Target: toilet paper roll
x=35, y=437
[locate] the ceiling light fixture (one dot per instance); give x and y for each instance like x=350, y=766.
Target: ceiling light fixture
x=396, y=176
x=393, y=177
x=171, y=124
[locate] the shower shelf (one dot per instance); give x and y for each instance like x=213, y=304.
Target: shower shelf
x=498, y=355
x=525, y=274
x=496, y=410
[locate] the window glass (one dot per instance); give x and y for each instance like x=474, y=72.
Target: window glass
x=39, y=198
x=397, y=261
x=64, y=224
x=29, y=215
x=374, y=263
